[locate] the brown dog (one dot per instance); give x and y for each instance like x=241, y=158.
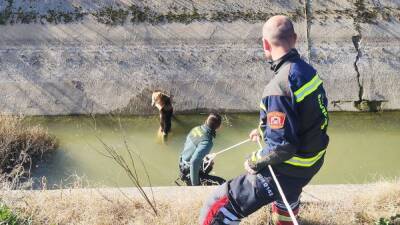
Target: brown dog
x=163, y=103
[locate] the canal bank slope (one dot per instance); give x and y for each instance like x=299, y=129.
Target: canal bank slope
x=83, y=57
x=322, y=204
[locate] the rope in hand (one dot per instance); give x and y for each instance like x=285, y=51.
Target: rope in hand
x=294, y=220
x=210, y=157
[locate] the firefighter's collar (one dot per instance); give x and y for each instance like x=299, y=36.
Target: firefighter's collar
x=276, y=64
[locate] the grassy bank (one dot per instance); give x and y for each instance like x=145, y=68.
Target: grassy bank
x=101, y=206
x=21, y=146
x=7, y=216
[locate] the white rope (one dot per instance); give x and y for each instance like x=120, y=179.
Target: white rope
x=294, y=220
x=210, y=157
x=233, y=146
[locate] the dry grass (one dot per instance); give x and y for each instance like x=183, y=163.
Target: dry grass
x=385, y=202
x=91, y=206
x=364, y=209
x=20, y=145
x=94, y=208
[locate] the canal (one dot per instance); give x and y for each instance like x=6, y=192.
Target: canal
x=364, y=147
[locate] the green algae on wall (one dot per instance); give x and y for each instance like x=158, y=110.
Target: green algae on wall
x=116, y=15
x=6, y=13
x=8, y=16
x=111, y=16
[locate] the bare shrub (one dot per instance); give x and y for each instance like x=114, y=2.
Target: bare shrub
x=130, y=168
x=21, y=145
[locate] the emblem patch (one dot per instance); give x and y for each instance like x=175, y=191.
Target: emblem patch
x=276, y=120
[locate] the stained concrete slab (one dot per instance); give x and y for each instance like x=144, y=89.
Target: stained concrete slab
x=215, y=62
x=333, y=53
x=379, y=64
x=204, y=65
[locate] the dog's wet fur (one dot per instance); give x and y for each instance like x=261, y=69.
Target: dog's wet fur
x=163, y=102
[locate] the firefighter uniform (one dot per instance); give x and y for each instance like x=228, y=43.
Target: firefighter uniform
x=293, y=124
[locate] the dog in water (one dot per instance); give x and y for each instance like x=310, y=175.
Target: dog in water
x=163, y=103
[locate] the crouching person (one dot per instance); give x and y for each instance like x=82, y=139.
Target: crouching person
x=194, y=165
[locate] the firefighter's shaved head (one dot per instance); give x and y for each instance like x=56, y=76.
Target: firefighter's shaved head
x=278, y=37
x=279, y=30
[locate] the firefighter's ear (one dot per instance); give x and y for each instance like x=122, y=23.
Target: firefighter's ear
x=267, y=49
x=266, y=45
x=294, y=40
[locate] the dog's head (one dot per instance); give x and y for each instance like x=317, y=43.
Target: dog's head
x=159, y=98
x=155, y=98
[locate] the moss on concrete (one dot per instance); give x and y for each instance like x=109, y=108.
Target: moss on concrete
x=361, y=12
x=368, y=106
x=146, y=15
x=111, y=16
x=364, y=14
x=135, y=14
x=9, y=16
x=116, y=15
x=6, y=13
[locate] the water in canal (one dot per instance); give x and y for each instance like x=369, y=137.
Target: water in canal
x=364, y=147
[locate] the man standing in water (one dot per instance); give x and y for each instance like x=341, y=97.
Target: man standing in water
x=293, y=124
x=192, y=166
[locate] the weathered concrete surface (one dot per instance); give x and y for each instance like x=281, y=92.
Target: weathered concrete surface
x=379, y=62
x=203, y=66
x=333, y=53
x=81, y=57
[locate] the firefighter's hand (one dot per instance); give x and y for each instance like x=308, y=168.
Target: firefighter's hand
x=254, y=135
x=248, y=168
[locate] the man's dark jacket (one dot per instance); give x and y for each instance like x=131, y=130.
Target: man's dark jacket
x=293, y=119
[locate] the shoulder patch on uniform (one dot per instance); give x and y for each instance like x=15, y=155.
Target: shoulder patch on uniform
x=276, y=120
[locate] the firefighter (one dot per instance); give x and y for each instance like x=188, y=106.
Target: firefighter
x=293, y=125
x=193, y=165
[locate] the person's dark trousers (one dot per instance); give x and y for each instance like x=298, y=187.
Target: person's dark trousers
x=205, y=178
x=245, y=194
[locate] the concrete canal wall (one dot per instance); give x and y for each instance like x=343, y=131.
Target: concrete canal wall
x=81, y=57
